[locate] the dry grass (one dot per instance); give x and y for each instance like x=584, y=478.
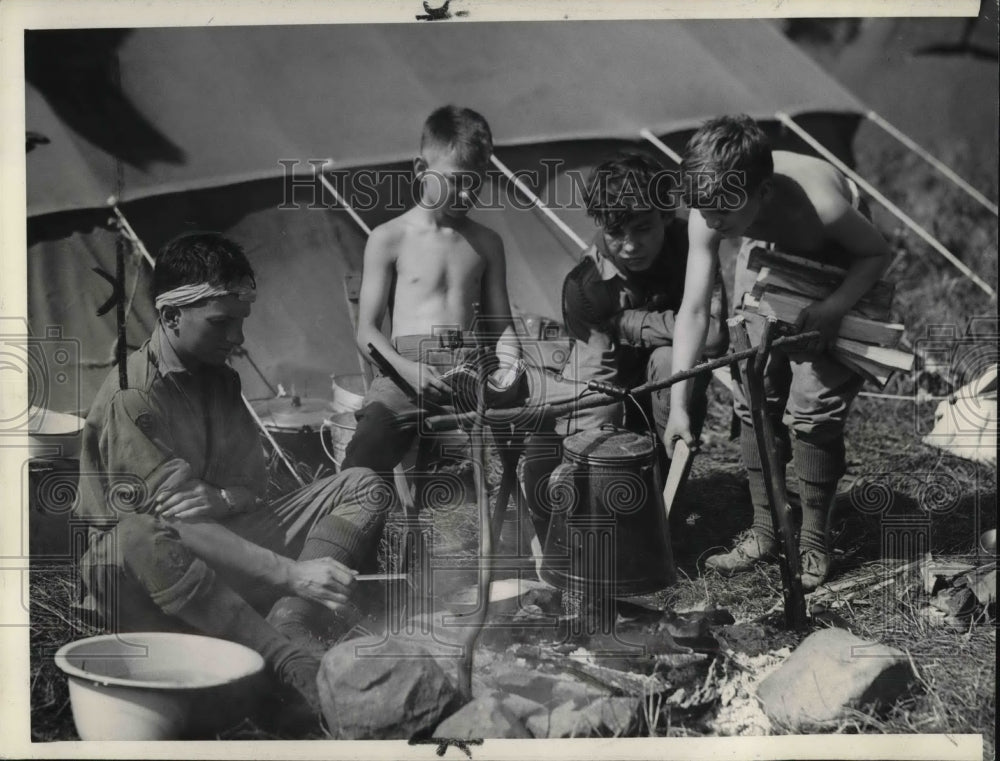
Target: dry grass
x=957, y=673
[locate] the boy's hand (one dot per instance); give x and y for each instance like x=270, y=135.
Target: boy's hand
x=193, y=500
x=678, y=427
x=426, y=380
x=324, y=580
x=824, y=317
x=179, y=474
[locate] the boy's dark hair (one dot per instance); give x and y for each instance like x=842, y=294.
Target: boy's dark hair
x=725, y=153
x=199, y=257
x=462, y=130
x=625, y=186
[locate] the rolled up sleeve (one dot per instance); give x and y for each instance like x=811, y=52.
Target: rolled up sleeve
x=644, y=329
x=136, y=450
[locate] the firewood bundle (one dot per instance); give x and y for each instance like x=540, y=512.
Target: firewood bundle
x=867, y=341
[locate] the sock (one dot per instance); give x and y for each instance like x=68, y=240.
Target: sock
x=217, y=610
x=816, y=501
x=819, y=467
x=763, y=524
x=332, y=537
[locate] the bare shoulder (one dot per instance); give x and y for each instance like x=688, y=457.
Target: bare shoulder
x=825, y=187
x=386, y=240
x=485, y=240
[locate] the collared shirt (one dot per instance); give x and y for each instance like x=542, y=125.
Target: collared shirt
x=134, y=438
x=617, y=318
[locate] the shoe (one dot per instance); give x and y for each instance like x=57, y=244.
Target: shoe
x=751, y=550
x=815, y=568
x=296, y=708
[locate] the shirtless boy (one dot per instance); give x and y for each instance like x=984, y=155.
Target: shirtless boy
x=802, y=206
x=443, y=263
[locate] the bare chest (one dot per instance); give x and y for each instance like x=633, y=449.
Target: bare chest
x=797, y=234
x=435, y=266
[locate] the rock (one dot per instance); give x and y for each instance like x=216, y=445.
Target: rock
x=523, y=707
x=936, y=617
x=603, y=716
x=749, y=638
x=547, y=598
x=370, y=697
x=983, y=583
x=937, y=574
x=485, y=717
x=579, y=693
x=546, y=689
x=831, y=670
x=955, y=601
x=534, y=685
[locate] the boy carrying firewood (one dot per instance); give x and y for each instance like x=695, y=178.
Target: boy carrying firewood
x=738, y=188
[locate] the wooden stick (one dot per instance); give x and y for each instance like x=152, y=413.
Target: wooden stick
x=478, y=618
x=680, y=466
x=511, y=414
x=752, y=376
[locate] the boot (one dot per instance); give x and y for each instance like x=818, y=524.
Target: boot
x=815, y=567
x=218, y=611
x=751, y=550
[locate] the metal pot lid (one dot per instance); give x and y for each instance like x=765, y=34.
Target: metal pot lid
x=292, y=413
x=608, y=444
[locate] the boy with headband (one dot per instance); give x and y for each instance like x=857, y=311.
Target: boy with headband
x=173, y=485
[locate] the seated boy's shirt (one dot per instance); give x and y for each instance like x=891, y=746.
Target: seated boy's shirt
x=617, y=320
x=135, y=438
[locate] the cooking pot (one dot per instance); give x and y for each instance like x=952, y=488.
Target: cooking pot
x=608, y=533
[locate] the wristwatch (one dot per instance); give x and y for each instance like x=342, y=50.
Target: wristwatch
x=231, y=506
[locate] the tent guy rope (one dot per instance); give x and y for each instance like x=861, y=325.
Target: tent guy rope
x=537, y=202
x=666, y=149
x=319, y=172
x=889, y=205
x=937, y=164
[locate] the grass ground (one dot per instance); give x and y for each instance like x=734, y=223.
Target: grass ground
x=956, y=668
x=947, y=501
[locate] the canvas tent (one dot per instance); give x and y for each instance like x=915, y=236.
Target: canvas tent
x=187, y=126
x=965, y=424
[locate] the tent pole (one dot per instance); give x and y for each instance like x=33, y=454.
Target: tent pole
x=341, y=200
x=398, y=472
x=666, y=149
x=939, y=165
x=889, y=205
x=537, y=202
x=137, y=242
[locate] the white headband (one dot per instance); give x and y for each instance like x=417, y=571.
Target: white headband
x=189, y=294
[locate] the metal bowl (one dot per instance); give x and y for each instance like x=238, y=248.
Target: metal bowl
x=158, y=685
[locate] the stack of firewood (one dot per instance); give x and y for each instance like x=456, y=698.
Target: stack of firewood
x=868, y=342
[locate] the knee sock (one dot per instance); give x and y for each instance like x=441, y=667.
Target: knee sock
x=816, y=501
x=763, y=524
x=819, y=467
x=219, y=611
x=331, y=537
